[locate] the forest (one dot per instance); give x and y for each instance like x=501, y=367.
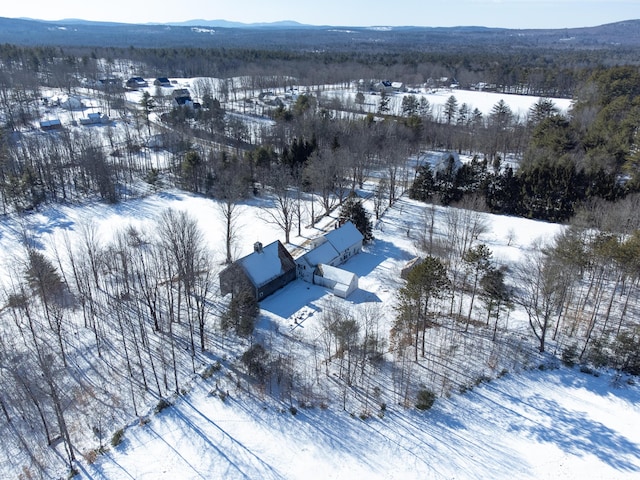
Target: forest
x=96, y=331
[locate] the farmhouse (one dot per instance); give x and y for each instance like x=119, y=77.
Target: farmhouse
x=134, y=83
x=318, y=265
x=53, y=124
x=347, y=240
x=96, y=119
x=262, y=272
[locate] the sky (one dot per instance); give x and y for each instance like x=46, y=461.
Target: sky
x=428, y=13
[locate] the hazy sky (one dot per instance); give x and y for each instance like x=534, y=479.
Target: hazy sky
x=430, y=13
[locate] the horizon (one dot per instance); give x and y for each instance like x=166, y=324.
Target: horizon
x=511, y=14
x=194, y=22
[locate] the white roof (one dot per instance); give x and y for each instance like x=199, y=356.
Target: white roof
x=344, y=237
x=265, y=266
x=338, y=275
x=324, y=253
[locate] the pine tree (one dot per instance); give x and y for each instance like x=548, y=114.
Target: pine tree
x=353, y=211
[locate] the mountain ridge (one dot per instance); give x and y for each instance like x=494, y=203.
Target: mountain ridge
x=300, y=37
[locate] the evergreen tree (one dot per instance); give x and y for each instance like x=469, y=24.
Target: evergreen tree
x=423, y=186
x=353, y=211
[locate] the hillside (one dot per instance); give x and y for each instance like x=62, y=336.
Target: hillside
x=559, y=424
x=309, y=38
x=525, y=416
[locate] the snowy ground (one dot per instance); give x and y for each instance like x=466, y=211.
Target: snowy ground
x=552, y=424
x=559, y=424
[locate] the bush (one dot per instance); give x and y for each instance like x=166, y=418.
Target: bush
x=162, y=404
x=570, y=355
x=255, y=359
x=425, y=399
x=293, y=410
x=117, y=437
x=210, y=370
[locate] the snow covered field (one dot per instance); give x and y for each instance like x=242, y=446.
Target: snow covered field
x=559, y=424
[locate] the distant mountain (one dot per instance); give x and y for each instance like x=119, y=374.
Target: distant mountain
x=304, y=38
x=227, y=24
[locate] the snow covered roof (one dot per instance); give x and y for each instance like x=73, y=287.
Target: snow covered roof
x=324, y=253
x=338, y=275
x=264, y=265
x=344, y=237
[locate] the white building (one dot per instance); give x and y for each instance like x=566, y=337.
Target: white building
x=318, y=265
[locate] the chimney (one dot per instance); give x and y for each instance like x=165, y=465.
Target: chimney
x=257, y=247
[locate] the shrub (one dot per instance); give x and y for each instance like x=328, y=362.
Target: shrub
x=91, y=456
x=425, y=399
x=570, y=355
x=255, y=359
x=293, y=410
x=162, y=404
x=117, y=437
x=210, y=370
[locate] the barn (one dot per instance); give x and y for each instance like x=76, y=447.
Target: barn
x=262, y=272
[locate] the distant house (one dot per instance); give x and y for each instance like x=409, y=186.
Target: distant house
x=398, y=87
x=109, y=83
x=162, y=82
x=96, y=119
x=262, y=272
x=181, y=92
x=53, y=124
x=134, y=83
x=341, y=282
x=182, y=97
x=72, y=102
x=384, y=86
x=270, y=99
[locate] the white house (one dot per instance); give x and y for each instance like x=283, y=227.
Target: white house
x=322, y=253
x=318, y=265
x=72, y=102
x=96, y=119
x=347, y=240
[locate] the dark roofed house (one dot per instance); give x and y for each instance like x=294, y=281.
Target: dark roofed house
x=162, y=82
x=262, y=272
x=135, y=83
x=182, y=97
x=53, y=124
